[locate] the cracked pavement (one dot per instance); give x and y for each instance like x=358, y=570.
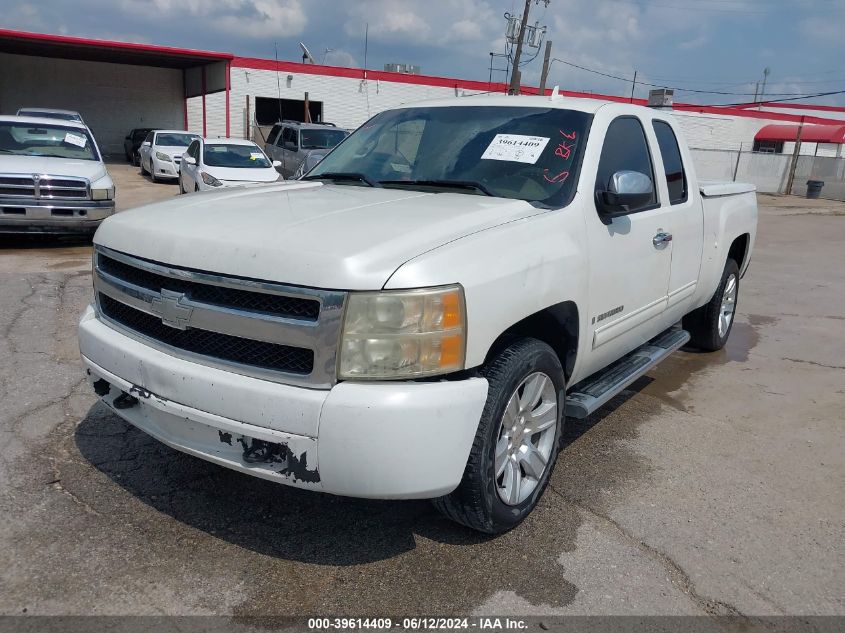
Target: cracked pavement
x=712, y=486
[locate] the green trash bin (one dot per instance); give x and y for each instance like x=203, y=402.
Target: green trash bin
x=814, y=188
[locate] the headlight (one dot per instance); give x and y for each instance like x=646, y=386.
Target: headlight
x=102, y=189
x=403, y=334
x=102, y=194
x=162, y=156
x=210, y=180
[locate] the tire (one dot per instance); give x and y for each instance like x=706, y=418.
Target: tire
x=153, y=173
x=710, y=325
x=479, y=500
x=196, y=187
x=141, y=165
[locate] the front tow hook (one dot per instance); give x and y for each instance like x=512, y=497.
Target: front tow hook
x=124, y=401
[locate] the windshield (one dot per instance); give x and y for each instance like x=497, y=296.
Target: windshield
x=175, y=139
x=237, y=156
x=321, y=139
x=54, y=141
x=528, y=154
x=64, y=116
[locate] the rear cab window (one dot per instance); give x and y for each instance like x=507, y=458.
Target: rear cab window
x=673, y=164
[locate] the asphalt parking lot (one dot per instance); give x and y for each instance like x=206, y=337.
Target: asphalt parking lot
x=712, y=486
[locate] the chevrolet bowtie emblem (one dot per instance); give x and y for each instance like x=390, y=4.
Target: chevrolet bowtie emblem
x=171, y=309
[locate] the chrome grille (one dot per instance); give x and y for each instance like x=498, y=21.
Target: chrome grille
x=40, y=186
x=283, y=333
x=295, y=360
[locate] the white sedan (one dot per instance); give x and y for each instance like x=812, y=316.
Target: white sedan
x=162, y=151
x=212, y=163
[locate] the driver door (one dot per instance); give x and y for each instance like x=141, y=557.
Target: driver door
x=629, y=263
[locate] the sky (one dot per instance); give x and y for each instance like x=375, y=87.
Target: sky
x=708, y=45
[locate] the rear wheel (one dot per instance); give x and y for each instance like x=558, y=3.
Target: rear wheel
x=710, y=325
x=517, y=441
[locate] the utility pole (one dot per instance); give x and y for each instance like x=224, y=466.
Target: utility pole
x=633, y=86
x=756, y=91
x=795, y=153
x=766, y=72
x=513, y=89
x=545, y=74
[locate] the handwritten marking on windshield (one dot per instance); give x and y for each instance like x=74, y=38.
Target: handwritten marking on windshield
x=555, y=179
x=564, y=152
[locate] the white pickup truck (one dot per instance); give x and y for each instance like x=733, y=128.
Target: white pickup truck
x=52, y=177
x=414, y=318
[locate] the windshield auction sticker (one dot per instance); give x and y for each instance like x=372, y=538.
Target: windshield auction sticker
x=75, y=139
x=515, y=147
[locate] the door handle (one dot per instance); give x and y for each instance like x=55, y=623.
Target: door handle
x=661, y=238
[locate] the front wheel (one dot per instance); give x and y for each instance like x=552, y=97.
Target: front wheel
x=517, y=441
x=710, y=325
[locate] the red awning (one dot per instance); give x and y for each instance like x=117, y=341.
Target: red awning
x=811, y=133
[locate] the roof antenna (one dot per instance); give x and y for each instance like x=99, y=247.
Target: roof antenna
x=555, y=94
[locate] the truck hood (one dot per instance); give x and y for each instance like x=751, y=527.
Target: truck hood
x=174, y=151
x=304, y=233
x=243, y=174
x=90, y=169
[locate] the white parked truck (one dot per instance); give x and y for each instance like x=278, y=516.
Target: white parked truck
x=415, y=317
x=52, y=177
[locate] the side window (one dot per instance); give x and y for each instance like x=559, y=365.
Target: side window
x=274, y=133
x=288, y=135
x=194, y=150
x=676, y=177
x=149, y=138
x=625, y=149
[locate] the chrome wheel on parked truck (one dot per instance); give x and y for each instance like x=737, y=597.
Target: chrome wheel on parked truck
x=517, y=441
x=710, y=325
x=526, y=438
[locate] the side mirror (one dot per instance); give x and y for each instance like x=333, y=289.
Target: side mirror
x=291, y=146
x=625, y=190
x=277, y=163
x=146, y=143
x=190, y=160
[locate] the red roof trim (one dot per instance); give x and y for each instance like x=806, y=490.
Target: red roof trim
x=797, y=106
x=106, y=44
x=754, y=114
x=452, y=82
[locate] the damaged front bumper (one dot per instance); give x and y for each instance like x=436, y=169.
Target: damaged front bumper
x=375, y=440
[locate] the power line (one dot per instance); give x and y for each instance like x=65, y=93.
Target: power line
x=747, y=103
x=691, y=90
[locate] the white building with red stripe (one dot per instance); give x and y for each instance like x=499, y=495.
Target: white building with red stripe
x=118, y=86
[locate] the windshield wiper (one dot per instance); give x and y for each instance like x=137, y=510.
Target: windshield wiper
x=446, y=184
x=344, y=175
